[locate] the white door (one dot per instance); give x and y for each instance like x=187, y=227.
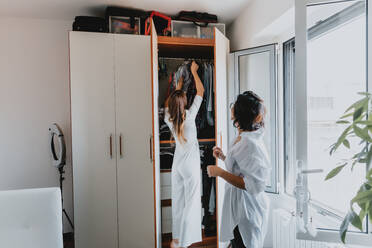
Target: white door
x=222, y=49
x=133, y=137
x=156, y=142
x=93, y=138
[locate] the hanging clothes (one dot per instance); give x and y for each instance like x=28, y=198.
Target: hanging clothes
x=210, y=101
x=208, y=198
x=183, y=71
x=205, y=117
x=166, y=157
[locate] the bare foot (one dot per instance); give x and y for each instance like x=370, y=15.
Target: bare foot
x=174, y=243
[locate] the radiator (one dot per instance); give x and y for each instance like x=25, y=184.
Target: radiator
x=284, y=233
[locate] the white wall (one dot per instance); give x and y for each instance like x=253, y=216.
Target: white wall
x=34, y=93
x=246, y=30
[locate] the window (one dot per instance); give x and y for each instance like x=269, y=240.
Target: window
x=255, y=69
x=336, y=71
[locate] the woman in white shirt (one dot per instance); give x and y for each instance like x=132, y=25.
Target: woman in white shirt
x=245, y=207
x=186, y=201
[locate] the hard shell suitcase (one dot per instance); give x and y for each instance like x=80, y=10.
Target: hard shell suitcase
x=89, y=24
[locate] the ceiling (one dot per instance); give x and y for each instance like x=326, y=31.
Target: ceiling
x=226, y=10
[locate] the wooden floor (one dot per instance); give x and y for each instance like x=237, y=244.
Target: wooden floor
x=208, y=242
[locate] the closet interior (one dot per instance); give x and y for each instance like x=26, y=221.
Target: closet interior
x=175, y=55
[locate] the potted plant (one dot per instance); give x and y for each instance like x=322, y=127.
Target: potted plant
x=358, y=122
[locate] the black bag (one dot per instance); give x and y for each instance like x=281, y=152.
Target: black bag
x=89, y=24
x=197, y=17
x=127, y=12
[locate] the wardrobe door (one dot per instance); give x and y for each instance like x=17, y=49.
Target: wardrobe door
x=93, y=137
x=156, y=142
x=221, y=57
x=134, y=134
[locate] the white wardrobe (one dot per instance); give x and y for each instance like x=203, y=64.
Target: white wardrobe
x=115, y=133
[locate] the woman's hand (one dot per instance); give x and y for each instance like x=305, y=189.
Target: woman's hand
x=194, y=67
x=214, y=171
x=217, y=153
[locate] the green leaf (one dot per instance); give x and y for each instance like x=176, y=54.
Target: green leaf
x=344, y=226
x=335, y=171
x=362, y=215
x=357, y=113
x=358, y=104
x=369, y=175
x=346, y=143
x=370, y=212
x=342, y=122
x=341, y=139
x=362, y=197
x=369, y=157
x=364, y=122
x=364, y=207
x=352, y=218
x=355, y=221
x=347, y=115
x=361, y=133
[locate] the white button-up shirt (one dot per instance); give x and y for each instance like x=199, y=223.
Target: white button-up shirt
x=247, y=208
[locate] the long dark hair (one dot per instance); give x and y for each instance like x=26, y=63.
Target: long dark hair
x=249, y=112
x=177, y=111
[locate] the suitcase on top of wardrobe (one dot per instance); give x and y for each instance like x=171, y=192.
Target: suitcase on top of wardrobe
x=89, y=24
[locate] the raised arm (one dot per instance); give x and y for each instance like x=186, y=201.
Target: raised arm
x=198, y=82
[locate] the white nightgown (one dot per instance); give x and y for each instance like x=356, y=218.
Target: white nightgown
x=247, y=208
x=186, y=197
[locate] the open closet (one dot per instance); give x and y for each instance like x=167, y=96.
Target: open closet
x=122, y=152
x=172, y=64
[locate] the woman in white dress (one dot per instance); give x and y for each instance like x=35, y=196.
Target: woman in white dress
x=186, y=197
x=245, y=208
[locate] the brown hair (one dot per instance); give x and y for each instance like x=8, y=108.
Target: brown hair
x=249, y=112
x=177, y=111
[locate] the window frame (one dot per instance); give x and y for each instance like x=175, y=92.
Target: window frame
x=299, y=94
x=274, y=123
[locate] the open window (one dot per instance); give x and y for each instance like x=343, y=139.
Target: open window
x=331, y=68
x=256, y=69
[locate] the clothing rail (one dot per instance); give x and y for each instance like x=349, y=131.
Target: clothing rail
x=183, y=59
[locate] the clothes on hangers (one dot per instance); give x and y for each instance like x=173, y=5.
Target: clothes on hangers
x=183, y=71
x=164, y=131
x=166, y=157
x=209, y=197
x=210, y=101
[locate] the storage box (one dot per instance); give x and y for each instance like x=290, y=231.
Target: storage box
x=207, y=32
x=122, y=25
x=191, y=30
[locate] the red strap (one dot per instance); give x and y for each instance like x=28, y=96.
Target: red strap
x=155, y=13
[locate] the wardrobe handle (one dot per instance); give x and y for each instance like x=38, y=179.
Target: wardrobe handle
x=110, y=145
x=120, y=146
x=151, y=148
